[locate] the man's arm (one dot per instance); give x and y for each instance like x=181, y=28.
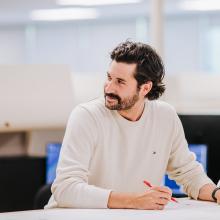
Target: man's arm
x=187, y=170
x=154, y=198
x=70, y=188
x=205, y=193
x=183, y=167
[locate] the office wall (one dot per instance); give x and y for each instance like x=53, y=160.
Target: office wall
x=84, y=46
x=182, y=52
x=12, y=45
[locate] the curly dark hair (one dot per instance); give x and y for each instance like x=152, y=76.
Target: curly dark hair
x=149, y=65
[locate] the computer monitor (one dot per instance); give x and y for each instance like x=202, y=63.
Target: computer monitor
x=52, y=152
x=200, y=151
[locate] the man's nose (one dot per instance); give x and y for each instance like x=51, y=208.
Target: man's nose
x=110, y=87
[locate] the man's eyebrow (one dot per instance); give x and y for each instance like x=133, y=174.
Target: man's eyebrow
x=123, y=80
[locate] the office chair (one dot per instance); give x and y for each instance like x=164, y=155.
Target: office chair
x=42, y=197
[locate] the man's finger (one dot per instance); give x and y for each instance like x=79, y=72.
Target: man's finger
x=159, y=207
x=162, y=189
x=162, y=201
x=161, y=195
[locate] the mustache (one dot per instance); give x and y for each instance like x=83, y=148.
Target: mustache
x=112, y=95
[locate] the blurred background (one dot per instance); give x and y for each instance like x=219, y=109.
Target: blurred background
x=54, y=54
x=80, y=33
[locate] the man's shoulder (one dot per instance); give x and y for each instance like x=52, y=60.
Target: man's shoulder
x=164, y=113
x=163, y=107
x=95, y=107
x=89, y=112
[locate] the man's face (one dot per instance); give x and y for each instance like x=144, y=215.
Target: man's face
x=120, y=89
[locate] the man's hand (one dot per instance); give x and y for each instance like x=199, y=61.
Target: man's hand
x=154, y=198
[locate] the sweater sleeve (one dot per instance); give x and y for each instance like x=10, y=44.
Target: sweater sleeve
x=70, y=188
x=182, y=165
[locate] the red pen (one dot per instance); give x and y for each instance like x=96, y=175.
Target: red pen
x=148, y=184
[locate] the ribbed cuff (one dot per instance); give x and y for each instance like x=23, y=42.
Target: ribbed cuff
x=101, y=198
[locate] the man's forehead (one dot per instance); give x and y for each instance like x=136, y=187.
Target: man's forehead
x=121, y=69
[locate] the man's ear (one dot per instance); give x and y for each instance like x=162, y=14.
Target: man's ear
x=146, y=88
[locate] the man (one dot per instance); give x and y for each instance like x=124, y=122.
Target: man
x=114, y=143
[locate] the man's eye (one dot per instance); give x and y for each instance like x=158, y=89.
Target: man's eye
x=121, y=82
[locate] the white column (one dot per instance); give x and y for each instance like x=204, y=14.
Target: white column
x=156, y=26
x=30, y=41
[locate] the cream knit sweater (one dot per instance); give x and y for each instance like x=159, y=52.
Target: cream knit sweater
x=102, y=151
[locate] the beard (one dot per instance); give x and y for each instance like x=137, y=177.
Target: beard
x=117, y=103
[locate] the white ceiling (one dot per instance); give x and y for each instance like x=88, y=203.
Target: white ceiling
x=18, y=11
x=26, y=4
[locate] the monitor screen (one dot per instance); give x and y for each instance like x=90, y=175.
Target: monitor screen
x=200, y=151
x=52, y=152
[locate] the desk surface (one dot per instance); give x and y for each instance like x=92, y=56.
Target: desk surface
x=185, y=210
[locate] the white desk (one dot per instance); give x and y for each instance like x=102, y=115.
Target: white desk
x=185, y=210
